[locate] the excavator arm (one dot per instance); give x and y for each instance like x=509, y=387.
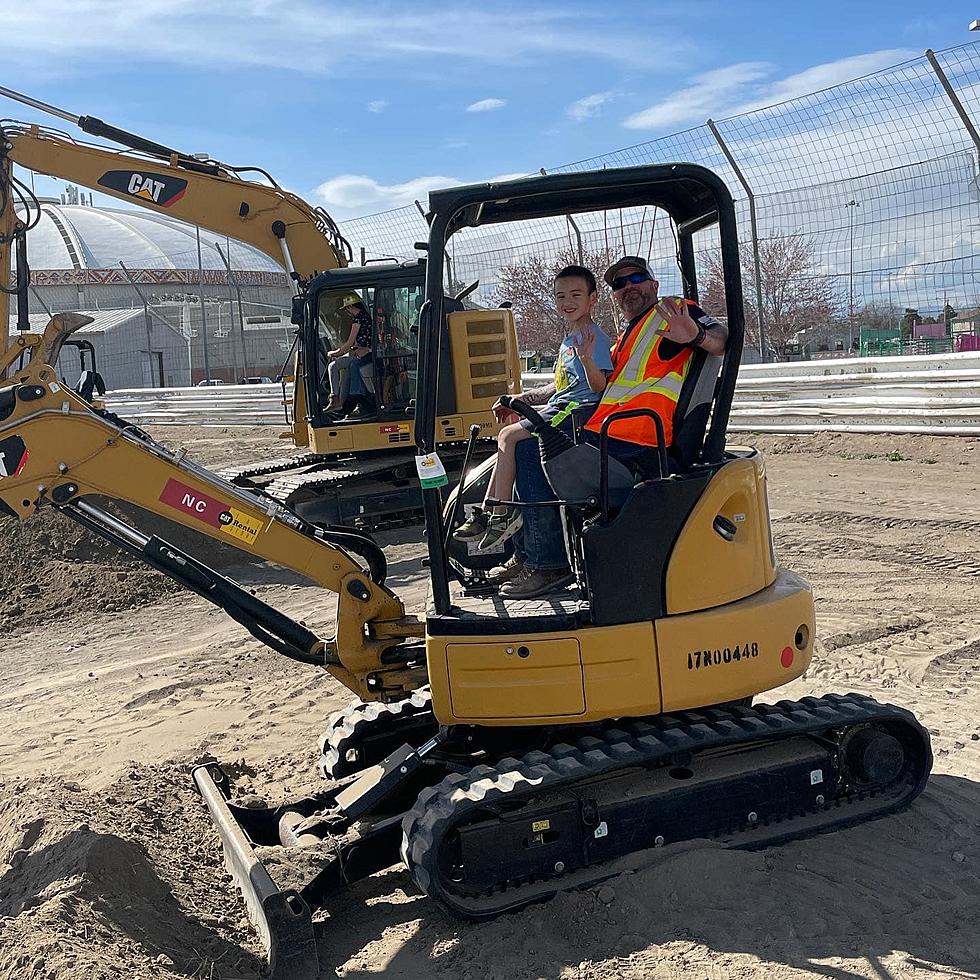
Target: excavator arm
x=58, y=450
x=213, y=195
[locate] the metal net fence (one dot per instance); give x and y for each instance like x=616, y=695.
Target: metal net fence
x=858, y=210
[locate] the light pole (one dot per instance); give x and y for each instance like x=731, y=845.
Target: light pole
x=851, y=205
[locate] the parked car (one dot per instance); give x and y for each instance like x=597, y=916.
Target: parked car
x=262, y=380
x=207, y=382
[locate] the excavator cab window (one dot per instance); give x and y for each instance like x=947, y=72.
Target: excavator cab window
x=393, y=309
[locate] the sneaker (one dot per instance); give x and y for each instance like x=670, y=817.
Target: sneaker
x=506, y=572
x=532, y=583
x=501, y=527
x=474, y=527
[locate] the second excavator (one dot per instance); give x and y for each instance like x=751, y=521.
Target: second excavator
x=508, y=750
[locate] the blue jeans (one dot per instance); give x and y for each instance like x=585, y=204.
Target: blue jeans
x=541, y=541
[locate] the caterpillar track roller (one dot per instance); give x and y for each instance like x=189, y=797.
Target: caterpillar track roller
x=505, y=750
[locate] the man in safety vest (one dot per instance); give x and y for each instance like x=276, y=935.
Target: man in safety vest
x=651, y=359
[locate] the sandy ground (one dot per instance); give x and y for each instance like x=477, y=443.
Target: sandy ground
x=114, y=684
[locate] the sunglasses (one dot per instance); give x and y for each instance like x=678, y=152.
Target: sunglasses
x=634, y=279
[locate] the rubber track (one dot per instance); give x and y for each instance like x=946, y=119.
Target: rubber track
x=285, y=486
x=279, y=465
x=349, y=727
x=631, y=744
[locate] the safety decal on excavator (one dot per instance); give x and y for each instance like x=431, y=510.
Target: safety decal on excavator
x=157, y=189
x=211, y=511
x=13, y=456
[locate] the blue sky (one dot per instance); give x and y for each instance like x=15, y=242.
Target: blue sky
x=362, y=108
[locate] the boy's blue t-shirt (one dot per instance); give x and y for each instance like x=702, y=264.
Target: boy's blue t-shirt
x=571, y=381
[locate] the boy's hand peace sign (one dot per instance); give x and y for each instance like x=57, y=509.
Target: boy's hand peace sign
x=583, y=343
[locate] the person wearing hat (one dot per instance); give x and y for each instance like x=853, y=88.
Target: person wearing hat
x=354, y=354
x=651, y=358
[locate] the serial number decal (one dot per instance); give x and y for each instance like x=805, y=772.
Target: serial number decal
x=699, y=659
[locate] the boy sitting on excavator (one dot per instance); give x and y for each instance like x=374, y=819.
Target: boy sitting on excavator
x=581, y=370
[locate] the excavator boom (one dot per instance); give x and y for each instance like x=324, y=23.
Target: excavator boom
x=58, y=450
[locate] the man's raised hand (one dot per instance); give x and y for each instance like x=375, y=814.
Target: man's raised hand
x=679, y=325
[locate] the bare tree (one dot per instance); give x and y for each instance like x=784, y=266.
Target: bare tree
x=795, y=295
x=528, y=285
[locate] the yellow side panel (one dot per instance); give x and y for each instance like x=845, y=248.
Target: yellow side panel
x=587, y=676
x=485, y=357
x=333, y=440
x=504, y=680
x=732, y=651
x=705, y=569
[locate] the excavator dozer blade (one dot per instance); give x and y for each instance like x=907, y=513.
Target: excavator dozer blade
x=281, y=917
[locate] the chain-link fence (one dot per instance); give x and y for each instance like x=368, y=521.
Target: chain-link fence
x=170, y=318
x=858, y=210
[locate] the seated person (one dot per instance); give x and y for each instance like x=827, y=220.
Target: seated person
x=580, y=376
x=354, y=354
x=651, y=358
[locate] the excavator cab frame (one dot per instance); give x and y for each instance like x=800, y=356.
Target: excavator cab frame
x=693, y=197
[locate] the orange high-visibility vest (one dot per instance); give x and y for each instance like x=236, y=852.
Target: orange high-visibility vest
x=641, y=380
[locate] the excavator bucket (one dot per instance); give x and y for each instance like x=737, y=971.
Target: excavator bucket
x=281, y=917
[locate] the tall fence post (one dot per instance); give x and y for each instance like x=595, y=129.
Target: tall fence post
x=578, y=238
x=955, y=100
x=148, y=312
x=204, y=316
x=233, y=280
x=754, y=227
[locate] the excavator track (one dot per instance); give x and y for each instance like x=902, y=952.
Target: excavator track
x=241, y=475
x=499, y=837
x=364, y=734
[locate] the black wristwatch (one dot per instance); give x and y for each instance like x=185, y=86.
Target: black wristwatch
x=702, y=333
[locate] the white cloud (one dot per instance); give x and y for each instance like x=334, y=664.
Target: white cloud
x=303, y=35
x=377, y=105
x=743, y=87
x=827, y=75
x=588, y=107
x=358, y=194
x=703, y=97
x=486, y=105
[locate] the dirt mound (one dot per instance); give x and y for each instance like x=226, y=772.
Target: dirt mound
x=122, y=892
x=49, y=566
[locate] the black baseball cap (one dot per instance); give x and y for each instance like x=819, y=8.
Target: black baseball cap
x=626, y=262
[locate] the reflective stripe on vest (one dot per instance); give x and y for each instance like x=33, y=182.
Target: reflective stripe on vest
x=642, y=380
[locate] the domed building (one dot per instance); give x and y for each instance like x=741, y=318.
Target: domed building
x=104, y=261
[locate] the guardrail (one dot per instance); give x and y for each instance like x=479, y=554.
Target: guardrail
x=938, y=394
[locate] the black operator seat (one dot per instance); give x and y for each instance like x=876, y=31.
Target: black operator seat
x=626, y=558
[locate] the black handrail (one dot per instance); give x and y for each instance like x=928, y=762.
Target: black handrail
x=629, y=413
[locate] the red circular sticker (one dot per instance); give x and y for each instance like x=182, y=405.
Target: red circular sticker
x=786, y=659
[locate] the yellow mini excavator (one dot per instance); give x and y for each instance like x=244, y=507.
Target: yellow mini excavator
x=508, y=750
x=349, y=469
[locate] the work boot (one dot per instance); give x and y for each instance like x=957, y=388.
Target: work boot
x=506, y=572
x=501, y=527
x=474, y=527
x=534, y=582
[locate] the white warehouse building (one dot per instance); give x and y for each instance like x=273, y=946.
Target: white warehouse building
x=144, y=268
